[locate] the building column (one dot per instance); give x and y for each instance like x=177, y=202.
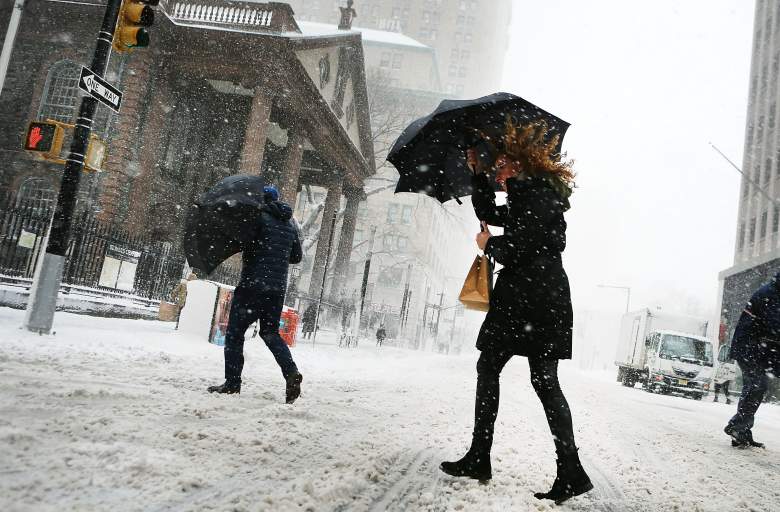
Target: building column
x=332, y=203
x=292, y=166
x=346, y=240
x=254, y=138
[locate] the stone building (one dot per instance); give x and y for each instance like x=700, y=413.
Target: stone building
x=420, y=249
x=225, y=87
x=757, y=247
x=470, y=37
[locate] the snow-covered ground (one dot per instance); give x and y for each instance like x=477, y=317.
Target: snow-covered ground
x=113, y=415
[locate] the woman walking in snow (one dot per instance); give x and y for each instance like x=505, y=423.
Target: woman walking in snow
x=530, y=309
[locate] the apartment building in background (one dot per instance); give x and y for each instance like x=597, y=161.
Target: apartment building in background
x=470, y=37
x=757, y=246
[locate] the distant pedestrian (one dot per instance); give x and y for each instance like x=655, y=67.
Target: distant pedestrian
x=381, y=334
x=308, y=321
x=179, y=295
x=724, y=374
x=530, y=307
x=756, y=348
x=259, y=295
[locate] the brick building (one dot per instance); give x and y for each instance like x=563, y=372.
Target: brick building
x=225, y=87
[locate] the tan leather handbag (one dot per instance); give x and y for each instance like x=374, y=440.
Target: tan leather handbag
x=478, y=285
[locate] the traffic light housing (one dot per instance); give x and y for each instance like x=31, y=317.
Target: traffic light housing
x=134, y=17
x=44, y=138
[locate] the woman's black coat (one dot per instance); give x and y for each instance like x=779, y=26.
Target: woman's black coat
x=530, y=309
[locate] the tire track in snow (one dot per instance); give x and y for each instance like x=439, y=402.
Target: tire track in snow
x=413, y=478
x=606, y=495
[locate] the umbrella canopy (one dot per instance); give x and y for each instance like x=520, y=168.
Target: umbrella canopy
x=222, y=221
x=430, y=154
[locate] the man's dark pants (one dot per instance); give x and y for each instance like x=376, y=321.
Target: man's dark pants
x=755, y=383
x=265, y=308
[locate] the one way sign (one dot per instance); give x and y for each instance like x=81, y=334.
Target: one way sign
x=99, y=89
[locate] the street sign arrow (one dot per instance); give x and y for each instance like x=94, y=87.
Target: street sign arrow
x=99, y=89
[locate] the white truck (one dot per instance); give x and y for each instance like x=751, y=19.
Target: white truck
x=665, y=353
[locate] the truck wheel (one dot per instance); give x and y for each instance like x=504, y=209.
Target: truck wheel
x=629, y=380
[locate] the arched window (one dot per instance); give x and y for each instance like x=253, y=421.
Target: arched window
x=36, y=193
x=60, y=100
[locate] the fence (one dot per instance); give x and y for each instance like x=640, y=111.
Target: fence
x=99, y=256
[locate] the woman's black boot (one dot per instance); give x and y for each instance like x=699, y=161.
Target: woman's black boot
x=475, y=464
x=570, y=481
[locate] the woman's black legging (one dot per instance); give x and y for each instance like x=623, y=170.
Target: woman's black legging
x=544, y=378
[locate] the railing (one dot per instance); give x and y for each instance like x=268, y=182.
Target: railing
x=267, y=17
x=99, y=257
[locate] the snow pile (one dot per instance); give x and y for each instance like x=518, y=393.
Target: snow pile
x=112, y=415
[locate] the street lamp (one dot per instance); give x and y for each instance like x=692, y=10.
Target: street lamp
x=627, y=289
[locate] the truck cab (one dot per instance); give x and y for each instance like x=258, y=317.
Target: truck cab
x=679, y=363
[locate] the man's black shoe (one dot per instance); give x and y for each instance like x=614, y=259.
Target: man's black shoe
x=227, y=389
x=293, y=390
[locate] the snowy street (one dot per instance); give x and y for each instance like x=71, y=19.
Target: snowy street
x=113, y=415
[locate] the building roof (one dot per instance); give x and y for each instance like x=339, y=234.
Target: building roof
x=369, y=35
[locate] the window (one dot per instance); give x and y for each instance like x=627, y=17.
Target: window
x=397, y=60
x=752, y=230
x=459, y=90
x=388, y=242
x=406, y=214
x=392, y=213
x=454, y=54
x=762, y=226
x=452, y=71
x=462, y=72
x=432, y=34
x=363, y=210
x=468, y=38
x=776, y=220
x=465, y=55
x=36, y=193
x=402, y=242
x=460, y=20
x=391, y=277
x=426, y=17
x=60, y=98
x=384, y=60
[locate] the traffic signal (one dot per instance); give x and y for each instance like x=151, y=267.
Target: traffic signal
x=134, y=16
x=45, y=139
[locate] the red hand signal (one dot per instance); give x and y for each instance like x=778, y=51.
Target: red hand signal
x=35, y=137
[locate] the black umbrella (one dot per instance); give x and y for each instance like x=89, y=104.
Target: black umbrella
x=430, y=153
x=222, y=221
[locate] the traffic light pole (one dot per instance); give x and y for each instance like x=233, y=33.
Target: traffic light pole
x=39, y=315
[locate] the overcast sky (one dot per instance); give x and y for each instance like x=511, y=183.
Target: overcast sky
x=646, y=85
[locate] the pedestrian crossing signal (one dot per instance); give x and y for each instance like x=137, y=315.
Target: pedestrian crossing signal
x=130, y=32
x=44, y=138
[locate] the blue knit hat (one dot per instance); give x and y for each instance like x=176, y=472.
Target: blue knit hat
x=271, y=194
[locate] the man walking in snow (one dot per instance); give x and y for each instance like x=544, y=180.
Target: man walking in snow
x=259, y=295
x=756, y=348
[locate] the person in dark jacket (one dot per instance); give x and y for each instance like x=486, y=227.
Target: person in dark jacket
x=381, y=334
x=259, y=295
x=756, y=349
x=308, y=321
x=530, y=308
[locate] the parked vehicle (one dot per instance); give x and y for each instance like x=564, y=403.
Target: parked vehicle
x=665, y=353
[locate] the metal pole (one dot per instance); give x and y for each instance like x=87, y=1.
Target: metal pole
x=366, y=271
x=748, y=178
x=39, y=315
x=324, y=275
x=10, y=37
